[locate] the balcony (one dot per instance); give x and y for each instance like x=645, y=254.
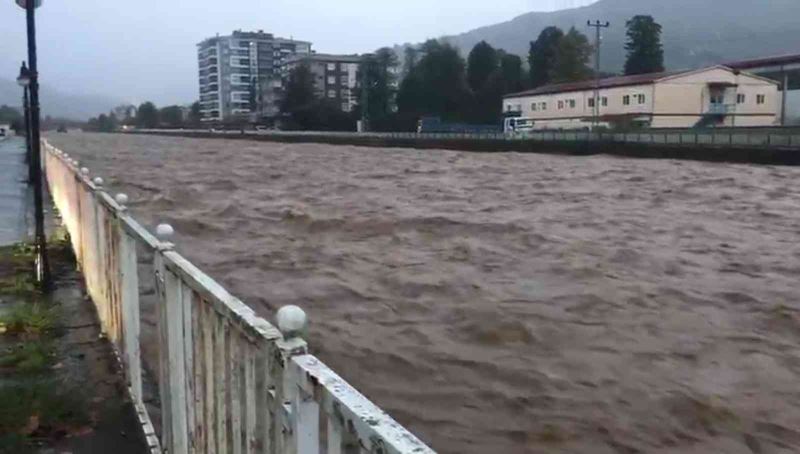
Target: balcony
x=720, y=109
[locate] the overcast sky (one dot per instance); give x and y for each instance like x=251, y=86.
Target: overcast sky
x=141, y=50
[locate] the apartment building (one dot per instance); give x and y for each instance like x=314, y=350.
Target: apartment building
x=707, y=97
x=232, y=69
x=335, y=76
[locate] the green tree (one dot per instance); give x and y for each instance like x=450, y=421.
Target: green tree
x=171, y=116
x=195, y=116
x=12, y=117
x=299, y=90
x=147, y=116
x=572, y=57
x=481, y=63
x=542, y=56
x=645, y=51
x=436, y=85
x=511, y=67
x=377, y=76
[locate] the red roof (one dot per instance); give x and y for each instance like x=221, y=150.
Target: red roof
x=610, y=82
x=766, y=61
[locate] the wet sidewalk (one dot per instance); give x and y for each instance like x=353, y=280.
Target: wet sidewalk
x=13, y=191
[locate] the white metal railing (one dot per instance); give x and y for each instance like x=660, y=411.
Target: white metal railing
x=229, y=381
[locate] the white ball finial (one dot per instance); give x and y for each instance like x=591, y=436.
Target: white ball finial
x=164, y=231
x=85, y=171
x=121, y=199
x=291, y=321
x=98, y=181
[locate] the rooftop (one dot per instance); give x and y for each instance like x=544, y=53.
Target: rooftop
x=609, y=82
x=776, y=60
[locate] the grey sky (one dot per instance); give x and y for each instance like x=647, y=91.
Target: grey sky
x=141, y=50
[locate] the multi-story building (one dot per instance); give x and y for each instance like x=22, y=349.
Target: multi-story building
x=233, y=67
x=335, y=76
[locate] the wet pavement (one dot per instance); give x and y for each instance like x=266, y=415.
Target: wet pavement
x=13, y=191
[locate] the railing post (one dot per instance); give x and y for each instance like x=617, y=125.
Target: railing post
x=300, y=423
x=168, y=291
x=129, y=292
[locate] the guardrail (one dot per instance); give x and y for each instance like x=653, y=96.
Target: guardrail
x=711, y=138
x=229, y=381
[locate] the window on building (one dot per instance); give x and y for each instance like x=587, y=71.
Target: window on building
x=544, y=106
x=641, y=99
x=534, y=107
x=344, y=80
x=716, y=99
x=604, y=101
x=626, y=100
x=331, y=80
x=590, y=102
x=560, y=105
x=331, y=93
x=740, y=98
x=761, y=99
x=571, y=103
x=346, y=107
x=331, y=66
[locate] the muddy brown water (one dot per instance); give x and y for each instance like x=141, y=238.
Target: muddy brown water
x=506, y=303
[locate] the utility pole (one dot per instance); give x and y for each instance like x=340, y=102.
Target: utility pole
x=596, y=102
x=43, y=265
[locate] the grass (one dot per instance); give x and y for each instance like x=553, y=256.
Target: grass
x=40, y=409
x=29, y=319
x=35, y=405
x=28, y=357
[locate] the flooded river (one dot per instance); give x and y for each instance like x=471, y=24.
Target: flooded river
x=506, y=303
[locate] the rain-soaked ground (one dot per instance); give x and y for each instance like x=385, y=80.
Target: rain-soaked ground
x=506, y=303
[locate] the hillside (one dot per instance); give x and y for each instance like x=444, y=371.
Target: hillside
x=696, y=32
x=57, y=104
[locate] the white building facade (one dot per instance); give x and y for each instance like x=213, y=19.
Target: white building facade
x=231, y=70
x=710, y=97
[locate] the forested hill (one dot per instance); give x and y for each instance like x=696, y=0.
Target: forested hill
x=696, y=32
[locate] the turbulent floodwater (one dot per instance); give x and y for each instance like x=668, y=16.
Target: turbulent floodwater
x=506, y=303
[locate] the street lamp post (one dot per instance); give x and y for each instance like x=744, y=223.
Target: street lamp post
x=24, y=81
x=43, y=265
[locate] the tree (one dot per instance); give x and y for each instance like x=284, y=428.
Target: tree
x=299, y=90
x=147, y=116
x=481, y=63
x=645, y=51
x=195, y=116
x=511, y=67
x=572, y=57
x=542, y=56
x=103, y=123
x=377, y=75
x=436, y=85
x=171, y=116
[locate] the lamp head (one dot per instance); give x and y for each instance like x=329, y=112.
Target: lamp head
x=24, y=78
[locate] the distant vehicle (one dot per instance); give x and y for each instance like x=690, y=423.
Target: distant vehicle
x=518, y=124
x=62, y=129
